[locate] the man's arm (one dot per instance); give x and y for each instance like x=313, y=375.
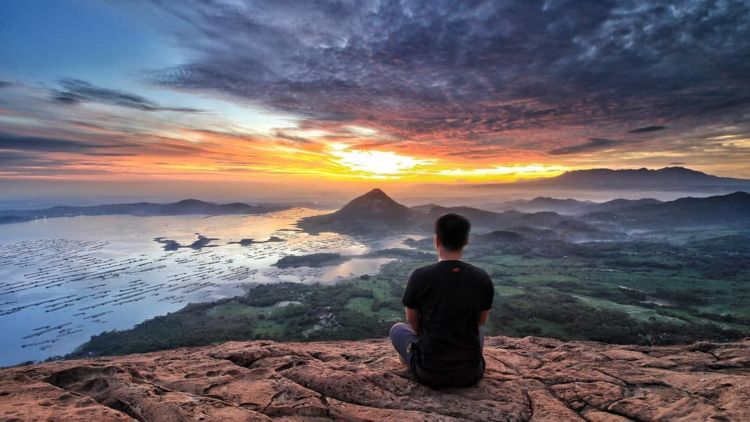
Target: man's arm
x=483, y=317
x=487, y=298
x=412, y=317
x=411, y=300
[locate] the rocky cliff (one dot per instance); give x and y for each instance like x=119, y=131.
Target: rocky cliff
x=529, y=379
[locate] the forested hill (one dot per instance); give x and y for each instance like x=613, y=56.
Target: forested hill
x=184, y=207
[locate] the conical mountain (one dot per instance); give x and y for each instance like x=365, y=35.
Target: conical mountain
x=373, y=212
x=374, y=203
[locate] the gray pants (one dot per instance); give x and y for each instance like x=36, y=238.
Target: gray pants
x=402, y=336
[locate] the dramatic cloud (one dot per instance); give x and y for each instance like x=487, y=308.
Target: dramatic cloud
x=413, y=90
x=592, y=144
x=13, y=158
x=470, y=70
x=37, y=144
x=39, y=156
x=77, y=91
x=647, y=129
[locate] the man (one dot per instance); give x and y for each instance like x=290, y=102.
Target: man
x=447, y=303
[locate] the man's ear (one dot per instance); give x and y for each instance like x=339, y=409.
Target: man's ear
x=437, y=242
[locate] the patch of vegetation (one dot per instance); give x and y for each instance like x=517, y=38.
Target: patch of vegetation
x=644, y=292
x=564, y=316
x=311, y=260
x=196, y=324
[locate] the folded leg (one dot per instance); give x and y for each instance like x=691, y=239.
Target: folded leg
x=401, y=336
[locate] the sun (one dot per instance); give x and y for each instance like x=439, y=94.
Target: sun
x=374, y=163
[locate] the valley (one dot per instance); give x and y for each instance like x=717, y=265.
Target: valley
x=555, y=276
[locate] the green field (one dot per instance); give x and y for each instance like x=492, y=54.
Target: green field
x=622, y=292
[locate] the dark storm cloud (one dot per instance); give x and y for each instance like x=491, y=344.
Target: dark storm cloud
x=3, y=84
x=29, y=144
x=470, y=69
x=78, y=91
x=647, y=129
x=592, y=144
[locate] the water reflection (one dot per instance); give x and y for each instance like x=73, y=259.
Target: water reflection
x=65, y=279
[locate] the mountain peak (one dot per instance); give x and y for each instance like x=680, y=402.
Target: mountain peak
x=376, y=193
x=680, y=169
x=374, y=211
x=376, y=202
x=191, y=201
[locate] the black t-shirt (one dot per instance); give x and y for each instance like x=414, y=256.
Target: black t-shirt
x=449, y=296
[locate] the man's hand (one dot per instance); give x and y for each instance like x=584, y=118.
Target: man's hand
x=412, y=317
x=483, y=317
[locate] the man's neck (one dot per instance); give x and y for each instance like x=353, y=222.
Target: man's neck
x=450, y=256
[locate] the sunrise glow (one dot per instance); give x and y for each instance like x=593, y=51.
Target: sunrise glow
x=159, y=97
x=376, y=164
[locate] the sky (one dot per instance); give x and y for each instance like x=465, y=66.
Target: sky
x=284, y=95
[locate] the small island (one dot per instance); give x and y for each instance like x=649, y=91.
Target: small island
x=250, y=242
x=243, y=242
x=173, y=245
x=311, y=260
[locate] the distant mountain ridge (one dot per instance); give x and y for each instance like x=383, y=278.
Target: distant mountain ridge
x=376, y=213
x=184, y=207
x=732, y=209
x=572, y=206
x=544, y=203
x=667, y=178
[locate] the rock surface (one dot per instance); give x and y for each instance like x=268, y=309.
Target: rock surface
x=529, y=379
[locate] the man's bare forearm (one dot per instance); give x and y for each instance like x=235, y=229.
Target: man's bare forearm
x=483, y=317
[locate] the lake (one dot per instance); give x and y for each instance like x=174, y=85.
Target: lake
x=65, y=279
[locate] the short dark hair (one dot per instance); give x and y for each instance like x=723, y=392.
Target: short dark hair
x=452, y=231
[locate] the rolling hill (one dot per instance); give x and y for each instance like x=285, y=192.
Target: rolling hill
x=141, y=209
x=726, y=210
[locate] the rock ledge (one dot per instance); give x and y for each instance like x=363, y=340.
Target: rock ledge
x=529, y=379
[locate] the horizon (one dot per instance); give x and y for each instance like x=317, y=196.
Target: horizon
x=402, y=197
x=254, y=99
x=100, y=193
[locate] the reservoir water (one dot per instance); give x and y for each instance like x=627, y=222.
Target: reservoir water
x=65, y=279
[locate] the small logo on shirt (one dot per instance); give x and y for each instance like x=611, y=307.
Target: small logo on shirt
x=456, y=269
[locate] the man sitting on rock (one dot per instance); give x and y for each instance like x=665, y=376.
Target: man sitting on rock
x=447, y=304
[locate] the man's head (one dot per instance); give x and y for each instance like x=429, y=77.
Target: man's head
x=452, y=232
